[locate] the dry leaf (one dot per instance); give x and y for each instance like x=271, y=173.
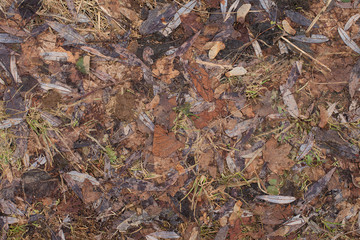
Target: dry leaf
x=201, y=81
x=231, y=9
x=164, y=69
x=164, y=143
x=175, y=22
x=288, y=28
x=354, y=79
x=257, y=48
x=351, y=21
x=215, y=49
x=242, y=12
x=277, y=199
x=347, y=40
x=323, y=117
x=290, y=102
x=237, y=71
x=276, y=156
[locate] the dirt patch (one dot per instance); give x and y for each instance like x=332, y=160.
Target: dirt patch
x=51, y=99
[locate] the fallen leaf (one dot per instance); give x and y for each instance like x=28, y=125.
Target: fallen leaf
x=354, y=79
x=236, y=71
x=201, y=81
x=215, y=49
x=175, y=22
x=288, y=28
x=242, y=12
x=277, y=199
x=164, y=143
x=164, y=69
x=318, y=187
x=347, y=40
x=276, y=156
x=323, y=116
x=351, y=21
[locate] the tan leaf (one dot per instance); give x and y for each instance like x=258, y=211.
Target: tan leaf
x=218, y=46
x=236, y=71
x=288, y=28
x=242, y=12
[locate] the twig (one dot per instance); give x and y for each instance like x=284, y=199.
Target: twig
x=317, y=17
x=306, y=54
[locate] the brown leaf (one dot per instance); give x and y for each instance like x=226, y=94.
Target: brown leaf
x=206, y=162
x=201, y=81
x=204, y=118
x=90, y=193
x=317, y=187
x=323, y=117
x=277, y=156
x=354, y=79
x=191, y=23
x=164, y=69
x=164, y=143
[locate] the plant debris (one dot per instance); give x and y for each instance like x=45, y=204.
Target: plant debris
x=179, y=119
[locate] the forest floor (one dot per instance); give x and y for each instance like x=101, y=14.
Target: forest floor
x=207, y=119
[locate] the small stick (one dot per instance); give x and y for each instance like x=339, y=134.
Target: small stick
x=306, y=54
x=317, y=17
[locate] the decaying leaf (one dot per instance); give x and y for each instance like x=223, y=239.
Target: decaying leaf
x=266, y=4
x=282, y=47
x=318, y=187
x=277, y=199
x=354, y=79
x=10, y=122
x=347, y=40
x=164, y=69
x=288, y=28
x=7, y=38
x=67, y=32
x=306, y=147
x=201, y=80
x=223, y=7
x=61, y=89
x=289, y=226
x=54, y=56
x=175, y=22
x=157, y=19
x=164, y=143
x=242, y=12
x=276, y=156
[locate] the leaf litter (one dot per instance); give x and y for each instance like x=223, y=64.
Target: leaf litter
x=179, y=120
